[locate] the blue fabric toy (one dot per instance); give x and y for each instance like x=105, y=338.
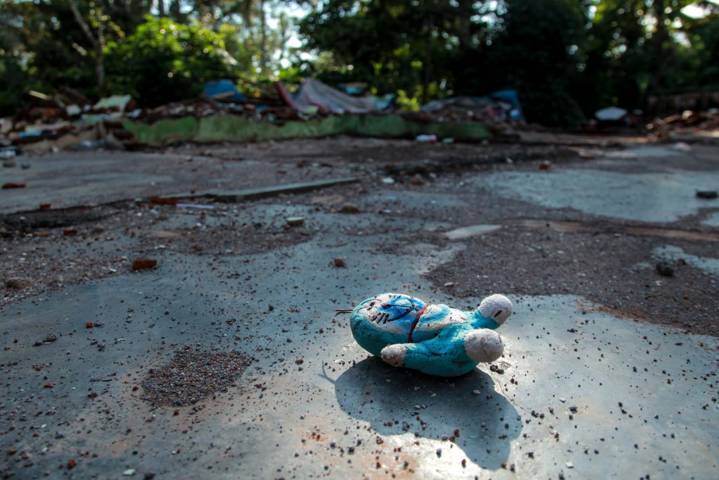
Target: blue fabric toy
x=434, y=339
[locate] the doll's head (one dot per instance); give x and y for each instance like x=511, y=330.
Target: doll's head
x=496, y=307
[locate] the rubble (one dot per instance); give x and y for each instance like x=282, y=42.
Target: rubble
x=143, y=264
x=67, y=121
x=295, y=221
x=687, y=122
x=707, y=194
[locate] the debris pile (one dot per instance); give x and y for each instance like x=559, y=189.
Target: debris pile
x=689, y=121
x=68, y=120
x=500, y=107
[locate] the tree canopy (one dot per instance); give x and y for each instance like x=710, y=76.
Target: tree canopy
x=567, y=58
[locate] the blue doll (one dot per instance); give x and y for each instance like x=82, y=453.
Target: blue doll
x=434, y=339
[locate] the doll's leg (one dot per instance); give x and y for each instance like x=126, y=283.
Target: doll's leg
x=483, y=345
x=444, y=361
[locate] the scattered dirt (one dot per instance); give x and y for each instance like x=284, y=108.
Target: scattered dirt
x=47, y=254
x=192, y=376
x=614, y=270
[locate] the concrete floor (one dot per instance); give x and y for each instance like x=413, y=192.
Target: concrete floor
x=580, y=393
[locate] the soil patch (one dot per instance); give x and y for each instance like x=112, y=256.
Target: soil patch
x=191, y=376
x=614, y=270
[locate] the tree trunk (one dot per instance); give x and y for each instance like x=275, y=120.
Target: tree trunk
x=161, y=7
x=96, y=42
x=427, y=63
x=263, y=38
x=659, y=39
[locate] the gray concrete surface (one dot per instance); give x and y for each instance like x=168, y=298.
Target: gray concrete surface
x=580, y=393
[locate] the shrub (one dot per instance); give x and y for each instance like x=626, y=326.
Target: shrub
x=164, y=61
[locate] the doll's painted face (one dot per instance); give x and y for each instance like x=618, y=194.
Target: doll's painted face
x=497, y=307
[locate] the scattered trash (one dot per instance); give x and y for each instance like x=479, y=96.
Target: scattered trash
x=426, y=138
x=388, y=180
x=73, y=110
x=295, y=221
x=117, y=103
x=545, y=165
x=707, y=194
x=610, y=114
x=498, y=107
x=143, y=264
x=8, y=152
x=129, y=472
x=12, y=185
x=313, y=96
x=682, y=147
x=6, y=125
x=688, y=122
x=665, y=269
x=224, y=90
x=471, y=231
x=72, y=463
x=339, y=263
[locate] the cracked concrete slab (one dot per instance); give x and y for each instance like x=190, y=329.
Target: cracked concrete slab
x=582, y=391
x=645, y=197
x=574, y=381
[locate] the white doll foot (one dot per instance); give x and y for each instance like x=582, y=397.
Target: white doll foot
x=394, y=355
x=482, y=345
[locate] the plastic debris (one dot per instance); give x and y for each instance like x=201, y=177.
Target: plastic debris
x=426, y=138
x=315, y=94
x=610, y=114
x=115, y=102
x=498, y=107
x=8, y=152
x=224, y=90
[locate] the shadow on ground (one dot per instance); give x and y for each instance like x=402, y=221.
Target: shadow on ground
x=396, y=401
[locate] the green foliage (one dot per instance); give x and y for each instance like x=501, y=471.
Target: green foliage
x=567, y=58
x=437, y=48
x=537, y=51
x=164, y=61
x=13, y=81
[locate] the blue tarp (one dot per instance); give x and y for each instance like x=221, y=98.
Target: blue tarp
x=222, y=90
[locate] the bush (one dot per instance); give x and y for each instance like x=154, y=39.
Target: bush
x=164, y=61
